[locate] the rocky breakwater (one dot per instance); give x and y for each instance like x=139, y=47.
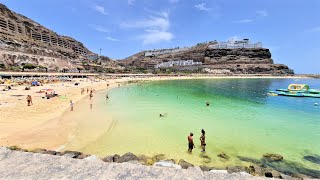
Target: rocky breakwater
x=145, y=163
x=15, y=164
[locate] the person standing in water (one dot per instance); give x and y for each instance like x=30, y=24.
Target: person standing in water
x=203, y=140
x=190, y=142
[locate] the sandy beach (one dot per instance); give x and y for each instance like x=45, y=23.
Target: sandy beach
x=41, y=125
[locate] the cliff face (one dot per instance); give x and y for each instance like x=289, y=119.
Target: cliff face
x=23, y=41
x=221, y=61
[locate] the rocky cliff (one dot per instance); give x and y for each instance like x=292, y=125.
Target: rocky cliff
x=221, y=61
x=24, y=41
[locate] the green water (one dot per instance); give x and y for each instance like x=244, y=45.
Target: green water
x=242, y=120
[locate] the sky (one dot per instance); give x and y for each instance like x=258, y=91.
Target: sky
x=120, y=28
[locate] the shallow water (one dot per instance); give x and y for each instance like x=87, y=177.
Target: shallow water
x=242, y=120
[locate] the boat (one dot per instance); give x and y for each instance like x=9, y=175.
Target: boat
x=297, y=90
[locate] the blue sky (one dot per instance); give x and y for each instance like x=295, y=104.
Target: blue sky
x=289, y=28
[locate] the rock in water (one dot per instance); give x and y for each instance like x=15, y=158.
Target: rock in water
x=158, y=157
x=237, y=169
x=256, y=170
x=83, y=156
x=116, y=157
x=38, y=150
x=315, y=159
x=128, y=157
x=14, y=148
x=50, y=152
x=71, y=154
x=273, y=157
x=108, y=159
x=146, y=160
x=206, y=168
x=223, y=156
x=184, y=164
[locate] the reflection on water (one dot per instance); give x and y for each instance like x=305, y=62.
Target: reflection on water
x=242, y=120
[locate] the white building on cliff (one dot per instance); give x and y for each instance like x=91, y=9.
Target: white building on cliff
x=177, y=64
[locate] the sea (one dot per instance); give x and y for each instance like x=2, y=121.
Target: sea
x=242, y=121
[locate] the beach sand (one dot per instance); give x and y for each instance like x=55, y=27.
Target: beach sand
x=41, y=125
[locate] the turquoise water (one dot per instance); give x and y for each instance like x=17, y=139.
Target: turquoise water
x=241, y=121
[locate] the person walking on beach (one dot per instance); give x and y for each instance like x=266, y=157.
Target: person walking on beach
x=91, y=106
x=29, y=100
x=90, y=95
x=71, y=105
x=190, y=142
x=87, y=90
x=203, y=140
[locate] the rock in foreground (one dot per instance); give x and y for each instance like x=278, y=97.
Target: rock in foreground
x=24, y=165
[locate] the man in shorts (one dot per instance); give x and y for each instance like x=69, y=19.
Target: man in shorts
x=190, y=142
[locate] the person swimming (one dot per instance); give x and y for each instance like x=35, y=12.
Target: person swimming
x=207, y=104
x=163, y=115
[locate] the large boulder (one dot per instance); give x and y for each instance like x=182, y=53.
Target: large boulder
x=50, y=152
x=206, y=168
x=184, y=164
x=273, y=157
x=108, y=159
x=256, y=170
x=38, y=150
x=71, y=154
x=116, y=157
x=272, y=174
x=158, y=157
x=237, y=169
x=128, y=157
x=146, y=160
x=83, y=156
x=111, y=158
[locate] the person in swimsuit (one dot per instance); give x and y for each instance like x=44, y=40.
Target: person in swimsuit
x=90, y=95
x=29, y=100
x=203, y=140
x=71, y=105
x=190, y=142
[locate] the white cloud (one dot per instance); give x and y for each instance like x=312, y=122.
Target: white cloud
x=112, y=39
x=100, y=9
x=99, y=28
x=314, y=29
x=202, y=7
x=155, y=28
x=156, y=36
x=243, y=21
x=263, y=13
x=131, y=2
